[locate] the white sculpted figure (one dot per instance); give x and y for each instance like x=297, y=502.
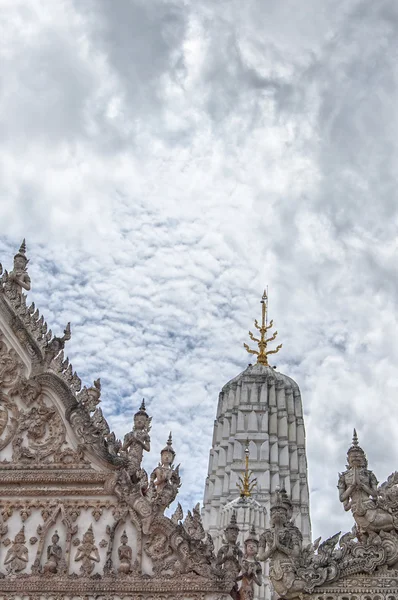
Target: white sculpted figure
x=87, y=553
x=136, y=442
x=17, y=556
x=251, y=572
x=18, y=277
x=125, y=554
x=165, y=479
x=358, y=493
x=54, y=555
x=229, y=556
x=282, y=544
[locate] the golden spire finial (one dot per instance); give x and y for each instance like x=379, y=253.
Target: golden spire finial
x=246, y=480
x=262, y=352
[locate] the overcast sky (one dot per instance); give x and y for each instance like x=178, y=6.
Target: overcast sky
x=165, y=161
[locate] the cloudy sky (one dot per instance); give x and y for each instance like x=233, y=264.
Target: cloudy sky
x=165, y=161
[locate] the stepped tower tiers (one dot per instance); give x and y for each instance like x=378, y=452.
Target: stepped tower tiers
x=259, y=425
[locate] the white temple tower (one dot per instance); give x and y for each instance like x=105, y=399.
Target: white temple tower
x=260, y=410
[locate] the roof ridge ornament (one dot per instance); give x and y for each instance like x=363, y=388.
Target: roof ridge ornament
x=262, y=352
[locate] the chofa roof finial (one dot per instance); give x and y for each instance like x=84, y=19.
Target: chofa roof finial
x=355, y=442
x=262, y=352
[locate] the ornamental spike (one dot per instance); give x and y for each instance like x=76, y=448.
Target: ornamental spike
x=355, y=438
x=262, y=352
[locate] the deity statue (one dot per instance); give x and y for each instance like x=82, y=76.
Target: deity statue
x=136, y=442
x=251, y=572
x=54, y=555
x=18, y=278
x=17, y=556
x=125, y=554
x=229, y=556
x=165, y=479
x=282, y=543
x=358, y=492
x=88, y=553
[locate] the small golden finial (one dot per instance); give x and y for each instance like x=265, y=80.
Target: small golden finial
x=262, y=352
x=246, y=481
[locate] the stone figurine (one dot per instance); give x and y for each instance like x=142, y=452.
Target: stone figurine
x=87, y=553
x=18, y=278
x=282, y=544
x=136, y=442
x=17, y=556
x=54, y=556
x=251, y=572
x=358, y=492
x=125, y=554
x=229, y=556
x=165, y=479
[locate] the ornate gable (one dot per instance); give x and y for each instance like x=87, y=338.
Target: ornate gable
x=78, y=514
x=362, y=563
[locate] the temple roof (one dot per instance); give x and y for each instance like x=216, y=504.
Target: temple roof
x=47, y=363
x=259, y=372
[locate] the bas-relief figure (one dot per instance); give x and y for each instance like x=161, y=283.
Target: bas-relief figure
x=87, y=553
x=54, y=556
x=125, y=554
x=16, y=559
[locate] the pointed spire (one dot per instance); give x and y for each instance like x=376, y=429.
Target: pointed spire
x=355, y=442
x=355, y=447
x=67, y=333
x=169, y=447
x=142, y=410
x=233, y=523
x=22, y=248
x=22, y=251
x=246, y=481
x=262, y=352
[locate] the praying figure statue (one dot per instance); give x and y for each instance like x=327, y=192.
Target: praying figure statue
x=282, y=544
x=17, y=556
x=54, y=555
x=125, y=554
x=18, y=278
x=165, y=479
x=358, y=492
x=251, y=572
x=87, y=553
x=136, y=442
x=229, y=556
